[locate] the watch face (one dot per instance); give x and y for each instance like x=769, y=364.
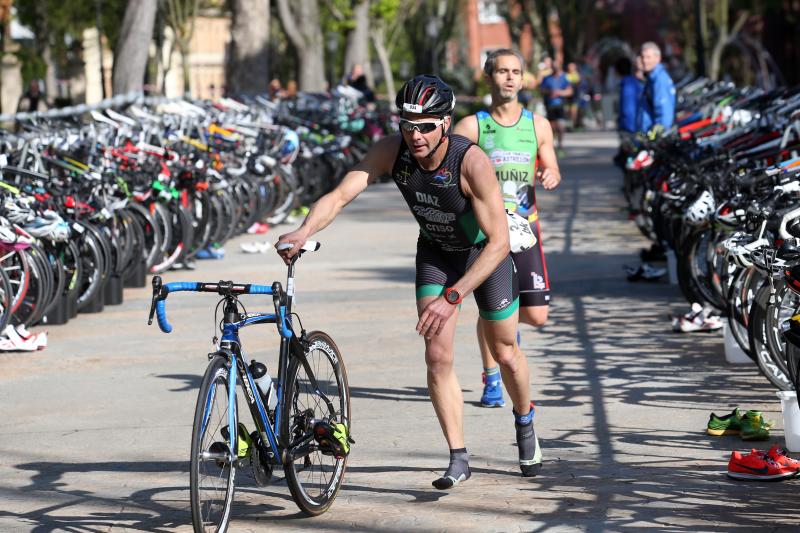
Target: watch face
x=452, y=296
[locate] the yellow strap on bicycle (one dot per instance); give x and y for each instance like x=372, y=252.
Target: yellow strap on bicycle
x=9, y=187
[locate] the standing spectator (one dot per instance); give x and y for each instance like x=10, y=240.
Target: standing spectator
x=291, y=90
x=630, y=92
x=544, y=69
x=357, y=80
x=556, y=89
x=609, y=104
x=33, y=100
x=574, y=79
x=275, y=90
x=657, y=103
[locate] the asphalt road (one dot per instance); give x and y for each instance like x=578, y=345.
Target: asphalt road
x=95, y=430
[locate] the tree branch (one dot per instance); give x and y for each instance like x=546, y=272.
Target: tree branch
x=289, y=24
x=337, y=14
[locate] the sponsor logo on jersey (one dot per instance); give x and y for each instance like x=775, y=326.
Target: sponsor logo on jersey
x=538, y=281
x=438, y=228
x=426, y=198
x=504, y=302
x=403, y=175
x=500, y=157
x=488, y=142
x=443, y=178
x=434, y=215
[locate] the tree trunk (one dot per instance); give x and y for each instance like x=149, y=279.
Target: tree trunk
x=378, y=34
x=187, y=82
x=248, y=57
x=723, y=37
x=301, y=24
x=50, y=89
x=357, y=50
x=130, y=57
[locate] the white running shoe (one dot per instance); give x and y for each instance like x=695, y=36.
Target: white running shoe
x=13, y=342
x=39, y=338
x=255, y=247
x=698, y=319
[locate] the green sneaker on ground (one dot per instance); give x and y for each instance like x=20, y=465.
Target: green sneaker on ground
x=730, y=424
x=754, y=426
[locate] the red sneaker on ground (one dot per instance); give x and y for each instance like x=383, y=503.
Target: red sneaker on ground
x=757, y=466
x=780, y=456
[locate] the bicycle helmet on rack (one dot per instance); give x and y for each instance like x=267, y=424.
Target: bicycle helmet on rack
x=700, y=210
x=426, y=95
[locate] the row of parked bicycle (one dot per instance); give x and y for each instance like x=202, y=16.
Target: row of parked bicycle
x=721, y=190
x=93, y=200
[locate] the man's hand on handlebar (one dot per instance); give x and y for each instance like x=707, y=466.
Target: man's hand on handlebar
x=297, y=239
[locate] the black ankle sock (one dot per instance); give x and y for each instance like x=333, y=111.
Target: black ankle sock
x=457, y=470
x=528, y=447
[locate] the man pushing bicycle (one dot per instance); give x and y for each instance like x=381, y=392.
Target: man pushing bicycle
x=463, y=247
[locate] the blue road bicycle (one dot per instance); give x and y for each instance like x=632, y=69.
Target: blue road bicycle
x=308, y=429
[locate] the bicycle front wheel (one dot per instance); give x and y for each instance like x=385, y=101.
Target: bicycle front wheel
x=213, y=467
x=314, y=477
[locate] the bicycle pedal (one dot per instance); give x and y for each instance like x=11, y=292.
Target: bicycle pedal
x=333, y=439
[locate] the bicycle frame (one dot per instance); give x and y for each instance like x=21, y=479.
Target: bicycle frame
x=278, y=447
x=230, y=348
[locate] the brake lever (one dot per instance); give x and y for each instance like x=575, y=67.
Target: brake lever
x=159, y=293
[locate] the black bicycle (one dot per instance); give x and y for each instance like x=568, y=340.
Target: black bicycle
x=302, y=418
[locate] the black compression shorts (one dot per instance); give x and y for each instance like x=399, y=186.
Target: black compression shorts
x=534, y=285
x=497, y=296
x=555, y=112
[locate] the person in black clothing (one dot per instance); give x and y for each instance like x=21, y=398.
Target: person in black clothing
x=33, y=100
x=357, y=80
x=463, y=247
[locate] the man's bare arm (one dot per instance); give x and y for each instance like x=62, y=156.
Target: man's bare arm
x=548, y=172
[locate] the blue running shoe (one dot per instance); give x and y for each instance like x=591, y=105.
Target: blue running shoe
x=210, y=253
x=492, y=391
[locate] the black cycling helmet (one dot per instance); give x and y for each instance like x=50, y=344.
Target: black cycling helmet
x=427, y=95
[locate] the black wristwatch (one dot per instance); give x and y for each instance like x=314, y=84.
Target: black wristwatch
x=452, y=296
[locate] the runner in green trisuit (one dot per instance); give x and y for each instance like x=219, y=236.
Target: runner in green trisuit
x=514, y=139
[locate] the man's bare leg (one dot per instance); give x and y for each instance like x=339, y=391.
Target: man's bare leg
x=501, y=338
x=448, y=402
x=533, y=315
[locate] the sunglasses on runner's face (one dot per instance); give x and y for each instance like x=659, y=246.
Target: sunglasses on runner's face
x=423, y=126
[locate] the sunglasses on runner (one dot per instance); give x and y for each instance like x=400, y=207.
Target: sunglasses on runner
x=423, y=126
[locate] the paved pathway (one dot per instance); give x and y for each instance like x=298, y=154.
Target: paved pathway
x=95, y=430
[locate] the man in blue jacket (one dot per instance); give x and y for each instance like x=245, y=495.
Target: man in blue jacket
x=657, y=104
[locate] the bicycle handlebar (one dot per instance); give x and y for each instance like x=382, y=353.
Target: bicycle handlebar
x=161, y=291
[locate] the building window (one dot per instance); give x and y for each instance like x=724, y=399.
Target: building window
x=489, y=11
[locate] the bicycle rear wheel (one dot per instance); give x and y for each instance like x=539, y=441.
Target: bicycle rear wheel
x=314, y=478
x=213, y=467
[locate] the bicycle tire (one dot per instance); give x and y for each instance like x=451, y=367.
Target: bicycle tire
x=207, y=424
x=740, y=297
x=300, y=403
x=759, y=343
x=5, y=300
x=15, y=265
x=35, y=300
x=784, y=307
